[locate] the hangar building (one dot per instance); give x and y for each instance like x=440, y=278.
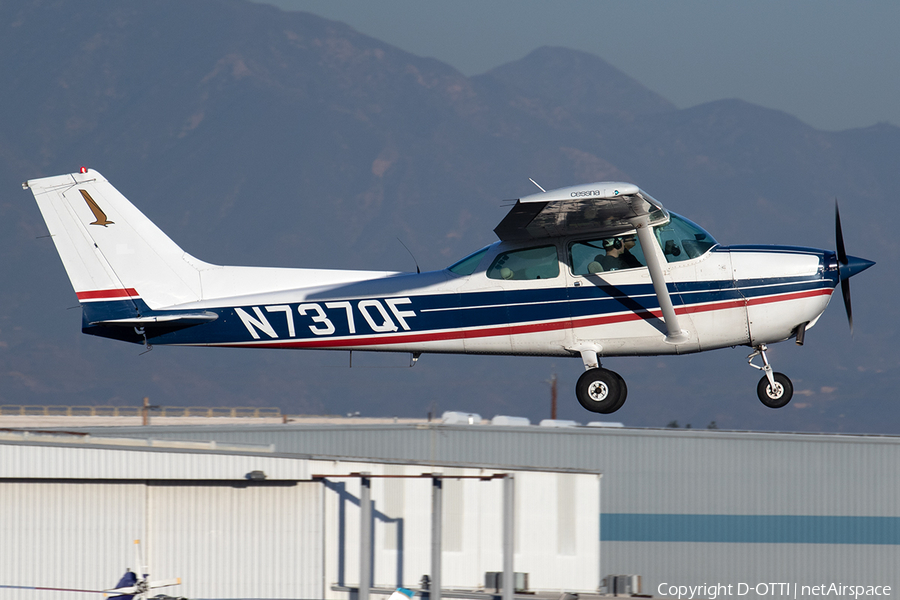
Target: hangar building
x=274, y=511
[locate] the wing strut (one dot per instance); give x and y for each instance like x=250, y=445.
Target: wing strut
x=652, y=253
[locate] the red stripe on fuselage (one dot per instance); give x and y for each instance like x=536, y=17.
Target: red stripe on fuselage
x=108, y=294
x=791, y=296
x=399, y=339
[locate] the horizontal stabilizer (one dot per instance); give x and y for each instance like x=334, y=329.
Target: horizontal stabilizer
x=161, y=320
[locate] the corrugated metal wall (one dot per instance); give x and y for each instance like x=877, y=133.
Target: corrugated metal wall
x=695, y=564
x=223, y=541
x=645, y=471
x=697, y=505
x=69, y=515
x=232, y=542
x=472, y=528
x=64, y=535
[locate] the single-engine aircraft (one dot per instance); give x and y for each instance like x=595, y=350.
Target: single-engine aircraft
x=589, y=271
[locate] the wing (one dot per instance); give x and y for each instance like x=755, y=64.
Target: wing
x=606, y=208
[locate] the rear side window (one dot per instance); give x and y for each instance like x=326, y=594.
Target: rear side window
x=533, y=263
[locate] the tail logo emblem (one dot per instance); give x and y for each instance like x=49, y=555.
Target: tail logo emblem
x=98, y=212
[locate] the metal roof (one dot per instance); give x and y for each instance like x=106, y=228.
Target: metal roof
x=713, y=471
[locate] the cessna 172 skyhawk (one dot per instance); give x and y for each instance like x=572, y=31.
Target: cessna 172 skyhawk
x=588, y=271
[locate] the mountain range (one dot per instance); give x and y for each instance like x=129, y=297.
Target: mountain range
x=262, y=137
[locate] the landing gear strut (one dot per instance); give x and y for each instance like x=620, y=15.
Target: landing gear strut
x=774, y=389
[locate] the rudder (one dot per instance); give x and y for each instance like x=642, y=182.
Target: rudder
x=111, y=251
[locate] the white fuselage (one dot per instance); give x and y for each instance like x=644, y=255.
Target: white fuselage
x=724, y=297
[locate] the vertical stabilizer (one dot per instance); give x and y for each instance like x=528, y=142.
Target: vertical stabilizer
x=110, y=250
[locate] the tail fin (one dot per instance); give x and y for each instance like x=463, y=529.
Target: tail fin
x=110, y=250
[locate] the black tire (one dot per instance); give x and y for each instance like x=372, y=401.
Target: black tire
x=623, y=392
x=601, y=391
x=780, y=396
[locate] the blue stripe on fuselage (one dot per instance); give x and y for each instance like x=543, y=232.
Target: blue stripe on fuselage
x=445, y=311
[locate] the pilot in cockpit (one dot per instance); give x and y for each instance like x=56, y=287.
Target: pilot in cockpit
x=617, y=254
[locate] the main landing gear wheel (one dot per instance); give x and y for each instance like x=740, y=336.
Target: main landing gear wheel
x=601, y=390
x=780, y=395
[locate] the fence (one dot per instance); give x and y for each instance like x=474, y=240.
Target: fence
x=137, y=411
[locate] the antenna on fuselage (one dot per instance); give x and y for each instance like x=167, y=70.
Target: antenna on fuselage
x=537, y=184
x=411, y=254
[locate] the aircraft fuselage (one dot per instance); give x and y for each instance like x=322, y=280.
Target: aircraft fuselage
x=728, y=296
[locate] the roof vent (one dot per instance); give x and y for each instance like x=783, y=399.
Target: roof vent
x=460, y=418
x=558, y=423
x=511, y=421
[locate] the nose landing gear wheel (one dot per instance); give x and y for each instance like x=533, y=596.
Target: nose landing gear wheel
x=780, y=395
x=601, y=390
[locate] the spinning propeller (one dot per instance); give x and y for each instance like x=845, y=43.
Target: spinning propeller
x=848, y=266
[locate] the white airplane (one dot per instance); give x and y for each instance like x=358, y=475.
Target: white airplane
x=589, y=271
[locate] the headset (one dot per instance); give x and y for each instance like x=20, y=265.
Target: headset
x=612, y=243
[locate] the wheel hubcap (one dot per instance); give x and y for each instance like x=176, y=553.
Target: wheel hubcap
x=777, y=393
x=598, y=391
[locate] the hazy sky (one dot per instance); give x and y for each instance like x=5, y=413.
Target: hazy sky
x=833, y=64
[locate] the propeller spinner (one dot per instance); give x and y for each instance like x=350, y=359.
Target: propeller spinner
x=848, y=266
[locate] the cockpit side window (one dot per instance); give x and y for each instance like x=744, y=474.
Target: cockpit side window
x=681, y=239
x=532, y=263
x=606, y=254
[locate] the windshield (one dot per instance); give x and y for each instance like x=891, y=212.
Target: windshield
x=468, y=265
x=681, y=239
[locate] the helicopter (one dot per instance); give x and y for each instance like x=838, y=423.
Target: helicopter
x=134, y=584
